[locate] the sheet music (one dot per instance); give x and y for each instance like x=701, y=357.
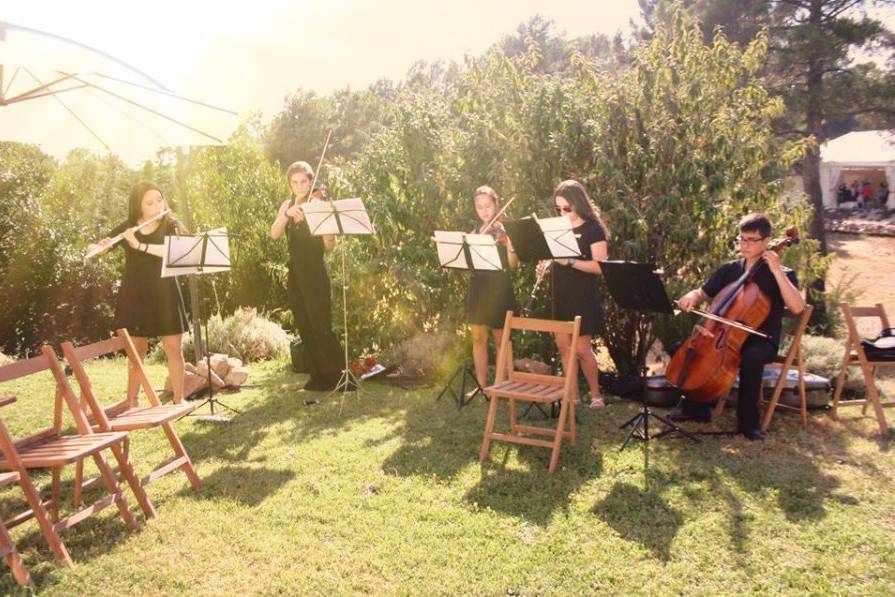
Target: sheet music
x=183, y=254
x=343, y=216
x=559, y=236
x=483, y=250
x=449, y=245
x=483, y=254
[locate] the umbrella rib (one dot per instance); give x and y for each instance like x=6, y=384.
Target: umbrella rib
x=72, y=112
x=40, y=95
x=5, y=24
x=11, y=79
x=31, y=92
x=169, y=94
x=150, y=110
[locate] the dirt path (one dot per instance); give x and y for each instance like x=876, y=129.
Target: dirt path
x=865, y=267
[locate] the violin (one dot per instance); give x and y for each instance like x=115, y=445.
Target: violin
x=495, y=226
x=705, y=366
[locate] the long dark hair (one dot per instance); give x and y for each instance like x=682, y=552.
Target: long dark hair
x=574, y=192
x=135, y=204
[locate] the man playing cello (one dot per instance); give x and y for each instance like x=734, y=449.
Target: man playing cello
x=780, y=285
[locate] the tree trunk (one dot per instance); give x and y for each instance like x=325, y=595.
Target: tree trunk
x=811, y=164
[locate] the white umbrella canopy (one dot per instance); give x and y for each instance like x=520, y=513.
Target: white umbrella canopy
x=60, y=94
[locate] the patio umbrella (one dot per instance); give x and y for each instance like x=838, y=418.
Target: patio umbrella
x=59, y=93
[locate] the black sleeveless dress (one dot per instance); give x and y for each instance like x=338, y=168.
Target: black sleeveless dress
x=148, y=305
x=490, y=295
x=308, y=291
x=575, y=292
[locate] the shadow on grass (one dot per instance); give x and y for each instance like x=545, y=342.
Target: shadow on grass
x=247, y=485
x=642, y=516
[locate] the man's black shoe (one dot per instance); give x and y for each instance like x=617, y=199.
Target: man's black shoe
x=680, y=416
x=755, y=435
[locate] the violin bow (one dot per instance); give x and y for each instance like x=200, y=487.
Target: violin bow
x=498, y=214
x=319, y=165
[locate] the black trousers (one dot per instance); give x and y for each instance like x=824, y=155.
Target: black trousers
x=755, y=354
x=308, y=292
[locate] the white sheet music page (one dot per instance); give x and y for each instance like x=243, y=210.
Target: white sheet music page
x=449, y=245
x=560, y=238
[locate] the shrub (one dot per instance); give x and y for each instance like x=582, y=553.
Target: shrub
x=245, y=335
x=432, y=354
x=823, y=356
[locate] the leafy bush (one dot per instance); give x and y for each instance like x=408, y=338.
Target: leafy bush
x=823, y=356
x=432, y=354
x=245, y=335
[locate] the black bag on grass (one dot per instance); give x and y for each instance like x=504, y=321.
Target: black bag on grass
x=881, y=348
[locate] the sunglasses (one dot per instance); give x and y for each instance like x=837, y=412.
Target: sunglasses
x=565, y=209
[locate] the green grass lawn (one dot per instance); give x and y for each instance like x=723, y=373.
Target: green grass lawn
x=384, y=494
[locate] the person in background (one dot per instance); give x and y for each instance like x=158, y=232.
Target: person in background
x=490, y=293
x=148, y=305
x=575, y=290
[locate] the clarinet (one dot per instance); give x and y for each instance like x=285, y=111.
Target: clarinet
x=526, y=310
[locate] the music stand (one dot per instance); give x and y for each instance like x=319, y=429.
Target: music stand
x=339, y=218
x=535, y=239
x=204, y=253
x=637, y=287
x=470, y=252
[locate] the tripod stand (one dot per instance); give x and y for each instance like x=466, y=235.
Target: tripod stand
x=204, y=253
x=462, y=398
x=637, y=287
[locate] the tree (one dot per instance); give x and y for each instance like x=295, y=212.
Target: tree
x=811, y=66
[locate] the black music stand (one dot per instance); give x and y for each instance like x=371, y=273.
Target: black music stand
x=205, y=253
x=637, y=287
x=470, y=252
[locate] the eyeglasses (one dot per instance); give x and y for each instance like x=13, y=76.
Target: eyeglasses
x=749, y=241
x=565, y=209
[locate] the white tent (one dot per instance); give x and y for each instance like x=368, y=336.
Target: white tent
x=860, y=155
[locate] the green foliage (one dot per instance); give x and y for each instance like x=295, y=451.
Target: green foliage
x=245, y=335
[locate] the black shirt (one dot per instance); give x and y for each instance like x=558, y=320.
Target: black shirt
x=730, y=272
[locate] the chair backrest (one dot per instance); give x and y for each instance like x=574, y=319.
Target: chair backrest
x=63, y=394
x=800, y=324
x=505, y=366
x=850, y=314
x=76, y=356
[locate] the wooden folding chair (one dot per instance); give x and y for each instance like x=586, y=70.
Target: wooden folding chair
x=531, y=387
x=127, y=414
x=855, y=356
x=51, y=449
x=792, y=355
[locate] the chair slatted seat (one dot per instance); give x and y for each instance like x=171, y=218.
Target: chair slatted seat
x=128, y=415
x=518, y=386
x=50, y=448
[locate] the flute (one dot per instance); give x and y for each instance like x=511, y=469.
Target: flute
x=103, y=248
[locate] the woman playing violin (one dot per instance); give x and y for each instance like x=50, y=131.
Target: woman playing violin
x=575, y=289
x=490, y=293
x=308, y=286
x=148, y=305
x=780, y=285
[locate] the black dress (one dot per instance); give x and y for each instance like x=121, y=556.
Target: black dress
x=490, y=295
x=148, y=305
x=308, y=292
x=575, y=292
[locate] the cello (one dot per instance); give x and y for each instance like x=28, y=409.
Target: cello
x=705, y=366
